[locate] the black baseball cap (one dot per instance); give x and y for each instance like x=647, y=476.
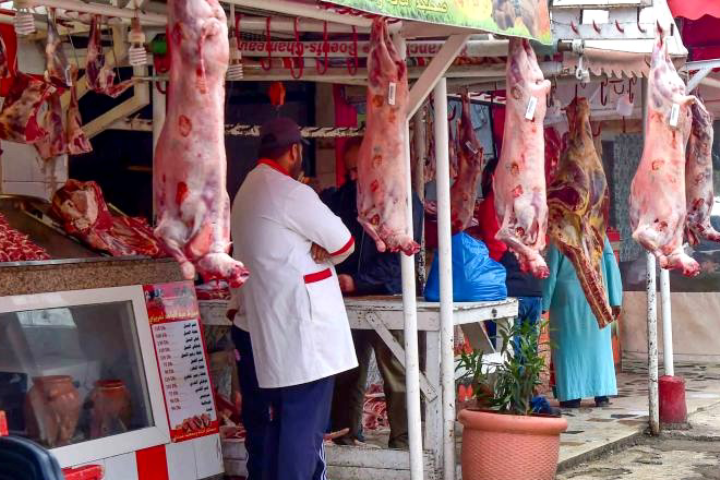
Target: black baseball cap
x=280, y=132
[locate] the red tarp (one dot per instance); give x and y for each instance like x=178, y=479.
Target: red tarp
x=694, y=9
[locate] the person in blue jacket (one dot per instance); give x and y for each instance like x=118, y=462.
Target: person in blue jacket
x=367, y=272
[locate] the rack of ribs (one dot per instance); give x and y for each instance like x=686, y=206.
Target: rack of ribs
x=578, y=204
x=463, y=193
x=190, y=166
x=382, y=192
x=699, y=192
x=657, y=193
x=519, y=182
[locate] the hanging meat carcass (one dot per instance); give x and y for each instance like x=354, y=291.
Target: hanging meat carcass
x=100, y=76
x=57, y=73
x=190, y=170
x=4, y=61
x=657, y=193
x=57, y=70
x=382, y=188
x=77, y=142
x=519, y=182
x=578, y=204
x=699, y=192
x=554, y=146
x=463, y=193
x=19, y=115
x=54, y=143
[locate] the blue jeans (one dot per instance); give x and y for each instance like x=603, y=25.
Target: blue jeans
x=529, y=311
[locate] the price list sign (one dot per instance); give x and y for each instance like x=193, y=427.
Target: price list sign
x=175, y=323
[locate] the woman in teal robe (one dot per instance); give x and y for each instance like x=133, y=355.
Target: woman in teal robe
x=582, y=352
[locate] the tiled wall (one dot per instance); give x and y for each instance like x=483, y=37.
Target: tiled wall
x=628, y=149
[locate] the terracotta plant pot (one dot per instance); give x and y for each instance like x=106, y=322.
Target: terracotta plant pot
x=52, y=410
x=509, y=447
x=111, y=409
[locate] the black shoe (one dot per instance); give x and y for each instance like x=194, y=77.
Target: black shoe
x=602, y=402
x=571, y=403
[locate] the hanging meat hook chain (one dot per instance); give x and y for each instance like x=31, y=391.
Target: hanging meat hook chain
x=326, y=49
x=298, y=50
x=268, y=45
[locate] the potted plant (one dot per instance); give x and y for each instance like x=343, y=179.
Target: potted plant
x=502, y=438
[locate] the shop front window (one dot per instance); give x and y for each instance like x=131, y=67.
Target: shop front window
x=73, y=374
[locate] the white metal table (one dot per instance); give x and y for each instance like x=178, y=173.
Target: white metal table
x=384, y=315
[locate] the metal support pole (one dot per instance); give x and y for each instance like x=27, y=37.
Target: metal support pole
x=409, y=292
x=653, y=394
x=159, y=105
x=667, y=322
x=446, y=286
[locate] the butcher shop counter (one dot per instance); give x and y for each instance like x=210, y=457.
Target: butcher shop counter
x=384, y=314
x=120, y=339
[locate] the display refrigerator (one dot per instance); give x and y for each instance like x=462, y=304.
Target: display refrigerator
x=114, y=376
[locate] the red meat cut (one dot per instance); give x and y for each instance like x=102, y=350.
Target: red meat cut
x=578, y=203
x=463, y=193
x=519, y=181
x=699, y=192
x=382, y=182
x=190, y=171
x=85, y=215
x=657, y=193
x=16, y=246
x=100, y=76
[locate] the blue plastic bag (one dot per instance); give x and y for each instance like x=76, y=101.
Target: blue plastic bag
x=476, y=276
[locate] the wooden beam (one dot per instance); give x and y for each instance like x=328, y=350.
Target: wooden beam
x=435, y=71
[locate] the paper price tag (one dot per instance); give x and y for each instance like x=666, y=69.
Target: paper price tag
x=391, y=93
x=674, y=115
x=532, y=105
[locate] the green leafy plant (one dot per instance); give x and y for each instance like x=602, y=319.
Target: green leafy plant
x=511, y=387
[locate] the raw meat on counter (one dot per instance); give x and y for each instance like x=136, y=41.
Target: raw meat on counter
x=578, y=205
x=16, y=246
x=463, y=193
x=382, y=183
x=519, y=181
x=85, y=215
x=657, y=193
x=699, y=192
x=100, y=76
x=190, y=164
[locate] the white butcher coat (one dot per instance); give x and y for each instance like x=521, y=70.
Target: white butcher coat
x=294, y=308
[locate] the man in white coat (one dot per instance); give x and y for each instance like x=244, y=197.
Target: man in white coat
x=296, y=317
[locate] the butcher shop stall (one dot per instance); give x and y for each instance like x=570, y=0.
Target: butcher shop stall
x=117, y=354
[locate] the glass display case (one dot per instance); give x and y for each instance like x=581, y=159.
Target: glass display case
x=78, y=373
